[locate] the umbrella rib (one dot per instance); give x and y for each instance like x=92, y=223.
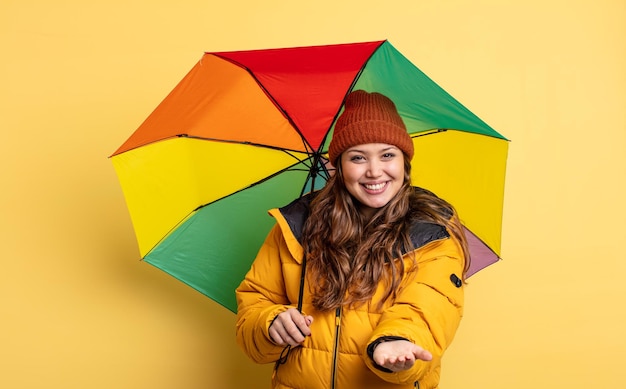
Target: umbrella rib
x=430, y=132
x=306, y=144
x=438, y=130
x=247, y=143
x=352, y=84
x=229, y=195
x=266, y=178
x=288, y=152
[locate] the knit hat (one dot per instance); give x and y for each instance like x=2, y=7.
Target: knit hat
x=369, y=118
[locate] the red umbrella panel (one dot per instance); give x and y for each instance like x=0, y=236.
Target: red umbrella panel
x=247, y=131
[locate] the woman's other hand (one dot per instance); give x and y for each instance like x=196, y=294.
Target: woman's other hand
x=398, y=355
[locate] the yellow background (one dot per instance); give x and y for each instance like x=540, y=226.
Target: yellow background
x=79, y=310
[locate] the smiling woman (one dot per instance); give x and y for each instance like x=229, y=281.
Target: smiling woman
x=367, y=248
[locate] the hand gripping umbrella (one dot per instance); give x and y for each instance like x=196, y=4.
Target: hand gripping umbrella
x=247, y=131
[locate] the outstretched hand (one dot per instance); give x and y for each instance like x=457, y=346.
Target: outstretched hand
x=290, y=328
x=399, y=355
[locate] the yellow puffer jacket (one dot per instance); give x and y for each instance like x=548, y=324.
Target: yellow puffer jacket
x=427, y=311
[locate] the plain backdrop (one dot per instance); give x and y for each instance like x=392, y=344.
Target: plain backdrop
x=80, y=310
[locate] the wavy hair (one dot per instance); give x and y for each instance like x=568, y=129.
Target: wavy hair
x=349, y=256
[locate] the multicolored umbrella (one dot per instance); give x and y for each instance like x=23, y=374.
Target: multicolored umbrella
x=247, y=131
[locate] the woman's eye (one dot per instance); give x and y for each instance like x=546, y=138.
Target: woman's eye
x=388, y=155
x=356, y=158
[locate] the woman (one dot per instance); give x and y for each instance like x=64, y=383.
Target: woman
x=358, y=285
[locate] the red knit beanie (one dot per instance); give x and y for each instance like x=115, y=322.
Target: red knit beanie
x=368, y=118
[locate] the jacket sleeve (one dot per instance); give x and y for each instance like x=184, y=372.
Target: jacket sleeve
x=260, y=297
x=427, y=311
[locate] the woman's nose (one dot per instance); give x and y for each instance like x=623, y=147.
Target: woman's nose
x=374, y=169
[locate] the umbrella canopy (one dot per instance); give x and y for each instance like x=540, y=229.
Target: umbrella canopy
x=247, y=131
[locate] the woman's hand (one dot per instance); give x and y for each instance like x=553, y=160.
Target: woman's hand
x=290, y=328
x=398, y=355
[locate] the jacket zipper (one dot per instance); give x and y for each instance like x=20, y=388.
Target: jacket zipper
x=333, y=376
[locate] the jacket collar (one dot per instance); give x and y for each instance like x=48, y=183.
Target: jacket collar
x=421, y=232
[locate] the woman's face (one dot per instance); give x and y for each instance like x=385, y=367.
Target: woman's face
x=373, y=173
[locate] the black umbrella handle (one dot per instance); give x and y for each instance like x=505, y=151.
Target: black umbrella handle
x=283, y=355
x=302, y=276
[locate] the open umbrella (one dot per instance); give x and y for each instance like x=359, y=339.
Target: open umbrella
x=247, y=131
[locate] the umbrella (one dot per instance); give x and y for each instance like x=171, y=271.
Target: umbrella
x=246, y=131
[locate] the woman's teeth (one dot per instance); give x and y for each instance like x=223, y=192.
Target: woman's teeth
x=374, y=186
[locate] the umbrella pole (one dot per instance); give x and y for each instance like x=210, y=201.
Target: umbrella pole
x=301, y=292
x=283, y=354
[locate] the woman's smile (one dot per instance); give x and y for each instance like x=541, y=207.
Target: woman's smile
x=376, y=188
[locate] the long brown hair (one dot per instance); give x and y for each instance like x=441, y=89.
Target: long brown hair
x=349, y=255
